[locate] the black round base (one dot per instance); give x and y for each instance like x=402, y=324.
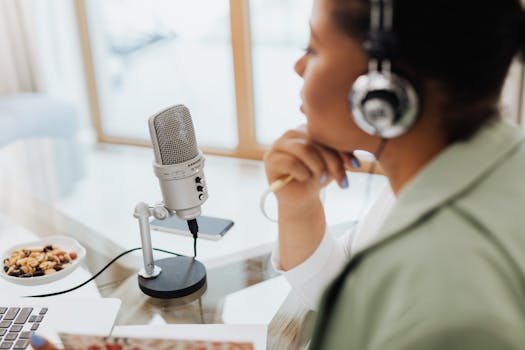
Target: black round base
x=180, y=276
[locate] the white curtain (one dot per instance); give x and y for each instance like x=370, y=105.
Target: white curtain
x=18, y=61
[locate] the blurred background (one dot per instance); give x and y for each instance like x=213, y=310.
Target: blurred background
x=87, y=74
x=116, y=62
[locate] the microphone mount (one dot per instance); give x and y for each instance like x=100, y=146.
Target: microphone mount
x=167, y=278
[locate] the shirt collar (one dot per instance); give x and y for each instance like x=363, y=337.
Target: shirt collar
x=450, y=173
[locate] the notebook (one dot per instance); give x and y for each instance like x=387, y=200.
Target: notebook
x=175, y=337
x=19, y=317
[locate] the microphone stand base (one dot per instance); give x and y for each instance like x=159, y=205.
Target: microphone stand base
x=180, y=276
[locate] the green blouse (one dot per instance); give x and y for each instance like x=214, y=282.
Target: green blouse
x=448, y=271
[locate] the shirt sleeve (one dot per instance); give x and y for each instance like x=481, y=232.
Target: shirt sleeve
x=309, y=279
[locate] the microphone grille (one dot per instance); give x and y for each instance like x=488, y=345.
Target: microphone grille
x=173, y=136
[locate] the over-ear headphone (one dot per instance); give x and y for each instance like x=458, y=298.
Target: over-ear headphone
x=383, y=103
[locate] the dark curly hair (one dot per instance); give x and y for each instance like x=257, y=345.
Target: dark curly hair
x=466, y=46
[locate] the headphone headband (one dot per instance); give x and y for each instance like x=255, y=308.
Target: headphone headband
x=381, y=41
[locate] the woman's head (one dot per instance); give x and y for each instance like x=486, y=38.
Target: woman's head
x=463, y=48
x=330, y=65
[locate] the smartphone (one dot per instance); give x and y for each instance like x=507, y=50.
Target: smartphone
x=209, y=227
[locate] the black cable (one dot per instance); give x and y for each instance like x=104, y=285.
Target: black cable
x=378, y=153
x=368, y=186
x=201, y=310
x=194, y=229
x=98, y=273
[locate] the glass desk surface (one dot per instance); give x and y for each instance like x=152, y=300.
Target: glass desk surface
x=241, y=287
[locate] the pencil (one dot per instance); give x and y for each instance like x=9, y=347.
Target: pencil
x=280, y=183
x=359, y=166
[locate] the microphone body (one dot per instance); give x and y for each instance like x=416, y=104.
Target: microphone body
x=178, y=164
x=179, y=167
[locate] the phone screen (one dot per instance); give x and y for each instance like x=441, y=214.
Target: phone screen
x=209, y=227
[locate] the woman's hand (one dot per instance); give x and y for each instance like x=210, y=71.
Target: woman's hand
x=39, y=343
x=311, y=165
x=301, y=217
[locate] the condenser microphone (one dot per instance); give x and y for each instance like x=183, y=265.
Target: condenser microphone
x=178, y=162
x=179, y=167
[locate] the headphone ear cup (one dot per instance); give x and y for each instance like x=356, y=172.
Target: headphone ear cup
x=384, y=105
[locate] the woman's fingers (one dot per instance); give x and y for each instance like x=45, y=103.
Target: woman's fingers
x=306, y=153
x=334, y=164
x=39, y=343
x=310, y=164
x=301, y=153
x=283, y=164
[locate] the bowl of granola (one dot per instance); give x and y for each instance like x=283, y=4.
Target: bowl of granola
x=43, y=261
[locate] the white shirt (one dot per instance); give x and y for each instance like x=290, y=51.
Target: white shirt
x=310, y=278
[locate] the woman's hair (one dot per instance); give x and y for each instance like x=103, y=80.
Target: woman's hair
x=466, y=46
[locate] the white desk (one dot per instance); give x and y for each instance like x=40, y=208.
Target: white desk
x=98, y=213
x=11, y=234
x=118, y=177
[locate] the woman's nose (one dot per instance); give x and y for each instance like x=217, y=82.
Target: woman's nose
x=299, y=66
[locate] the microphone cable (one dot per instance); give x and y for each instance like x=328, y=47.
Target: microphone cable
x=194, y=229
x=98, y=273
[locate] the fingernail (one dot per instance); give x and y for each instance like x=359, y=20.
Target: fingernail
x=355, y=162
x=37, y=340
x=344, y=183
x=322, y=180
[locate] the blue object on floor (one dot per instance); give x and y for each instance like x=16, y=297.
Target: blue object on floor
x=40, y=134
x=35, y=115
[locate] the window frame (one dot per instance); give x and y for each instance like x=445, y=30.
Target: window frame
x=247, y=146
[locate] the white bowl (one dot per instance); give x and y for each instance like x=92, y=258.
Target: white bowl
x=65, y=243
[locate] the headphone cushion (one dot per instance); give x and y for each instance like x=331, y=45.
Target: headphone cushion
x=385, y=105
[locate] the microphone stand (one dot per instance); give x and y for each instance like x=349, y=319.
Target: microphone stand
x=168, y=278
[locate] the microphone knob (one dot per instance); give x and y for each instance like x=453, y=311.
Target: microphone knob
x=160, y=212
x=201, y=195
x=200, y=188
x=198, y=180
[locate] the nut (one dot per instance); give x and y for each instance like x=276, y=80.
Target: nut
x=37, y=261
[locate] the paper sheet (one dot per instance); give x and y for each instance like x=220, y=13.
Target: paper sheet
x=255, y=334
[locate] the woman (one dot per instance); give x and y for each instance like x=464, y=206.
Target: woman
x=446, y=270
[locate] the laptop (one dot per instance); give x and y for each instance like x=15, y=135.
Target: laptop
x=21, y=317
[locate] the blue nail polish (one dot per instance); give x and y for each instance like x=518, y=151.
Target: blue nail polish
x=322, y=180
x=355, y=162
x=37, y=340
x=344, y=183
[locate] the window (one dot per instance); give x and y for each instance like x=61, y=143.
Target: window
x=231, y=62
x=275, y=49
